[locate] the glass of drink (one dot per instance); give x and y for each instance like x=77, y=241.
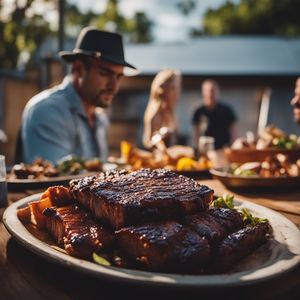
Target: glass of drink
x=206, y=144
x=3, y=184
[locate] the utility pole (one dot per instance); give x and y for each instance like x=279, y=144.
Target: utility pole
x=61, y=24
x=61, y=29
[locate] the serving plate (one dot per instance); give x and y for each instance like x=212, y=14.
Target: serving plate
x=234, y=181
x=276, y=257
x=33, y=184
x=247, y=154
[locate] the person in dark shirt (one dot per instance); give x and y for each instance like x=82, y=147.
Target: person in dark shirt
x=214, y=118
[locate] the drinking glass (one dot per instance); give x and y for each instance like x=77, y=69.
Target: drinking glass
x=205, y=145
x=3, y=184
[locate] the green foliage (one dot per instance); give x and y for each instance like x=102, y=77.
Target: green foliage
x=24, y=29
x=186, y=6
x=19, y=32
x=259, y=17
x=112, y=17
x=138, y=29
x=249, y=219
x=226, y=201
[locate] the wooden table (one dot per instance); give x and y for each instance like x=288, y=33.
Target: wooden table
x=24, y=275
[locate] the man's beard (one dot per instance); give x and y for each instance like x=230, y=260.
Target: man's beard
x=102, y=101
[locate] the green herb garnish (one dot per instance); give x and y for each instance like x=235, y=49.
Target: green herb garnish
x=100, y=260
x=249, y=219
x=224, y=202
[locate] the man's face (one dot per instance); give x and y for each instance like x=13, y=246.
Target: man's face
x=295, y=102
x=98, y=84
x=209, y=92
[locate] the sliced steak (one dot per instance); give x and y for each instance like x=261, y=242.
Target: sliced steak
x=240, y=244
x=122, y=199
x=208, y=223
x=165, y=247
x=230, y=219
x=75, y=229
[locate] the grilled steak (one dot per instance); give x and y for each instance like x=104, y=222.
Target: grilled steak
x=215, y=224
x=122, y=199
x=165, y=246
x=228, y=218
x=240, y=244
x=74, y=229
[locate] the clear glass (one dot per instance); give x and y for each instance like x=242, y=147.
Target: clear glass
x=3, y=183
x=206, y=144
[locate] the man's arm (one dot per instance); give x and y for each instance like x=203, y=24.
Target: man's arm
x=46, y=134
x=233, y=132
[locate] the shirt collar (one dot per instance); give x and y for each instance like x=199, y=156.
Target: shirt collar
x=73, y=98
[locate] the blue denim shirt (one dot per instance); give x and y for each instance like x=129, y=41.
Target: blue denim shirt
x=54, y=125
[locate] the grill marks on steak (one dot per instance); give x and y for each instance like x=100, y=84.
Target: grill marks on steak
x=162, y=221
x=75, y=229
x=239, y=244
x=187, y=247
x=215, y=224
x=165, y=246
x=122, y=199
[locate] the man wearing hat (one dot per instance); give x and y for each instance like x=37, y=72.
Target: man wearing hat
x=69, y=119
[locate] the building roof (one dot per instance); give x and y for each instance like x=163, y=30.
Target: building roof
x=226, y=55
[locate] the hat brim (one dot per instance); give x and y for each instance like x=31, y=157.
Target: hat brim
x=129, y=70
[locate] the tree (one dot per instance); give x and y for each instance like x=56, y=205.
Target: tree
x=24, y=30
x=138, y=29
x=186, y=6
x=21, y=31
x=259, y=17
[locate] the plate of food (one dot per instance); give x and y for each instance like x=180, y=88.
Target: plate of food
x=273, y=172
x=269, y=142
x=158, y=252
x=42, y=173
x=178, y=158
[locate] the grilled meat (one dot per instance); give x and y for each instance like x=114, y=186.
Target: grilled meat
x=240, y=244
x=215, y=224
x=228, y=218
x=162, y=221
x=121, y=199
x=165, y=246
x=74, y=229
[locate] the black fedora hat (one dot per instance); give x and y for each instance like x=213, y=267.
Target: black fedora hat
x=100, y=44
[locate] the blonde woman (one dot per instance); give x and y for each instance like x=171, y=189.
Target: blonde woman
x=159, y=117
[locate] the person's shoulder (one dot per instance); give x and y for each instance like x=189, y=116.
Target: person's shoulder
x=227, y=111
x=225, y=106
x=200, y=109
x=198, y=112
x=49, y=99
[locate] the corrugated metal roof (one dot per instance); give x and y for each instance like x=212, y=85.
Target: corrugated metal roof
x=236, y=55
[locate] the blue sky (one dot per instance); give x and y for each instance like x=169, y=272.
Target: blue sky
x=170, y=24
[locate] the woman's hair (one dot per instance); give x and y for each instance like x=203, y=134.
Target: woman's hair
x=162, y=79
